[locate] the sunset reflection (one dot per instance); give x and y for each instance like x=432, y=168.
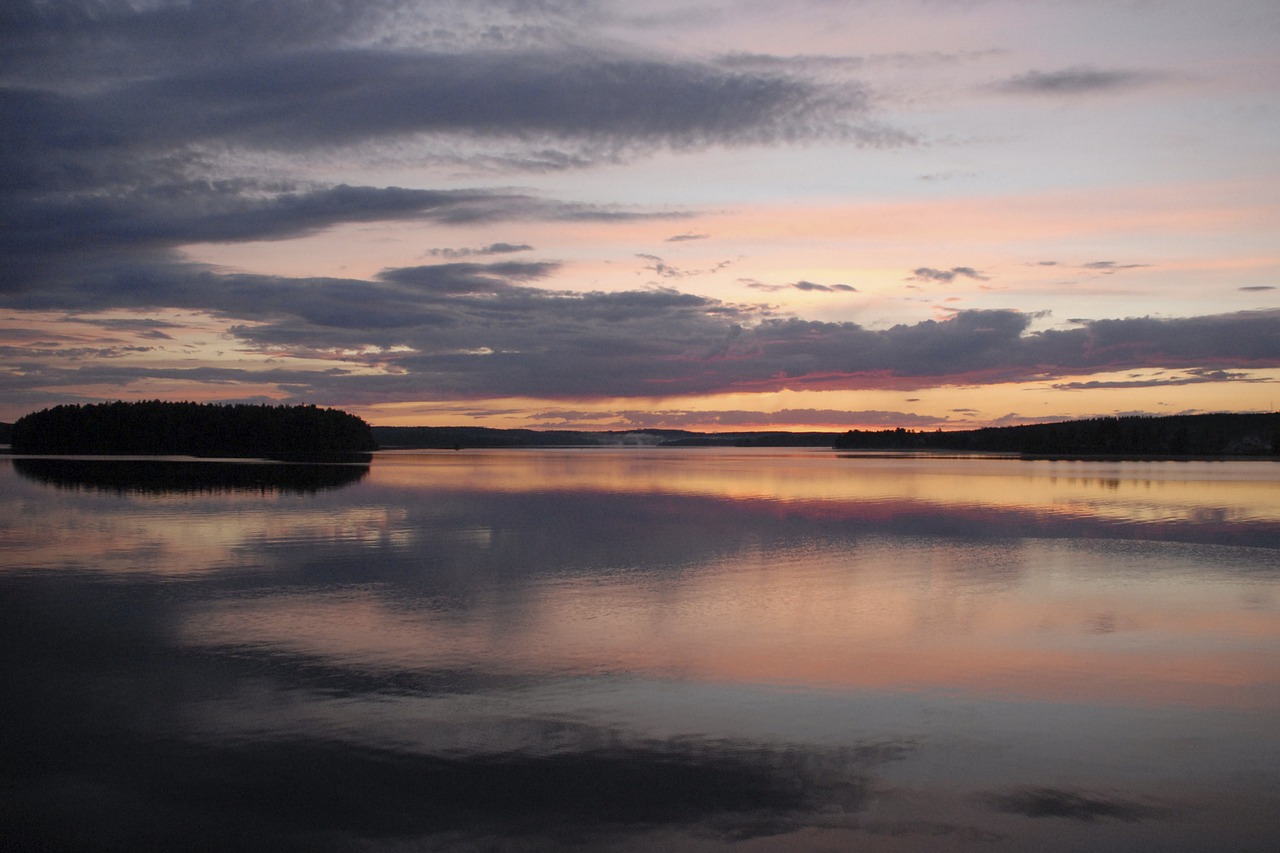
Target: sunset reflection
x=1032, y=622
x=1125, y=491
x=785, y=647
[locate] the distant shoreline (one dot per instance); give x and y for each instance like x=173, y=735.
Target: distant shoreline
x=293, y=433
x=1209, y=436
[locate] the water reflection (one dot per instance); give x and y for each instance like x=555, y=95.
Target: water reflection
x=638, y=650
x=186, y=476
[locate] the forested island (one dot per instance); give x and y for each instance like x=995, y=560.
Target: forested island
x=193, y=429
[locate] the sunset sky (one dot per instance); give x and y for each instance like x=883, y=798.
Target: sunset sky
x=613, y=214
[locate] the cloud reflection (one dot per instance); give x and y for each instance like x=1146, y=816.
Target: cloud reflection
x=1040, y=802
x=105, y=748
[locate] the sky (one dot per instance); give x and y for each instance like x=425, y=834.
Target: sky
x=622, y=214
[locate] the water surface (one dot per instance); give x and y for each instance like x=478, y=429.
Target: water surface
x=635, y=649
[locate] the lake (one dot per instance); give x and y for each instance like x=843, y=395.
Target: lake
x=638, y=649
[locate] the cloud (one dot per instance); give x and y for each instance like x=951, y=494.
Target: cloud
x=491, y=249
x=129, y=127
x=81, y=242
x=665, y=270
x=1079, y=80
x=146, y=326
x=1257, y=288
x=474, y=330
x=1074, y=805
x=134, y=130
x=824, y=288
x=930, y=274
x=1110, y=267
x=136, y=84
x=1193, y=377
x=949, y=175
x=732, y=419
x=806, y=286
x=294, y=101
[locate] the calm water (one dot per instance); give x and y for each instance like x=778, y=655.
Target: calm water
x=640, y=649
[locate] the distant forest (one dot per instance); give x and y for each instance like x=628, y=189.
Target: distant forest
x=444, y=438
x=1172, y=436
x=306, y=431
x=193, y=429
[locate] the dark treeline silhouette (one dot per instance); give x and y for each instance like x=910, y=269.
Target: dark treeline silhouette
x=175, y=476
x=6, y=433
x=193, y=429
x=466, y=436
x=1172, y=436
x=460, y=436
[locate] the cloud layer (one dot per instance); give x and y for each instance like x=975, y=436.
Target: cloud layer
x=467, y=330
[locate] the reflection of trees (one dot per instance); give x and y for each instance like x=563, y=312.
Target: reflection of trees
x=155, y=476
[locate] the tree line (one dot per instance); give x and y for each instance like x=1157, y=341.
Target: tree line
x=1222, y=434
x=192, y=429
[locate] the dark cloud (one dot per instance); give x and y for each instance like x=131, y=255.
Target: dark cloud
x=301, y=100
x=1257, y=288
x=1081, y=80
x=146, y=326
x=930, y=274
x=470, y=330
x=684, y=238
x=824, y=288
x=807, y=286
x=115, y=84
x=1070, y=804
x=466, y=278
x=164, y=215
x=127, y=125
x=1109, y=267
x=66, y=247
x=1193, y=377
x=491, y=249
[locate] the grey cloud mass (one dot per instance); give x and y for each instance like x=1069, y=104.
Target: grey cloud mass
x=121, y=120
x=468, y=330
